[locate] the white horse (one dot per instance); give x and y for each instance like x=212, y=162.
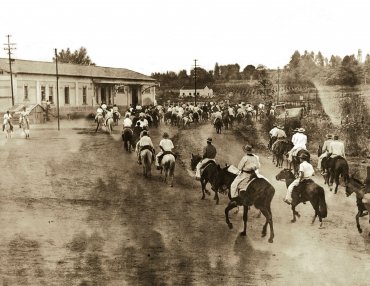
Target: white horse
x=168, y=167
x=8, y=130
x=24, y=124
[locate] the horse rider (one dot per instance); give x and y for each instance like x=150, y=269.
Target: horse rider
x=272, y=134
x=217, y=114
x=127, y=122
x=247, y=166
x=115, y=111
x=336, y=149
x=299, y=141
x=142, y=121
x=209, y=153
x=7, y=119
x=145, y=142
x=23, y=116
x=305, y=172
x=324, y=151
x=166, y=147
x=280, y=135
x=108, y=115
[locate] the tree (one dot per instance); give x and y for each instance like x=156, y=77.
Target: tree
x=249, y=72
x=216, y=72
x=319, y=59
x=79, y=57
x=350, y=71
x=265, y=86
x=294, y=60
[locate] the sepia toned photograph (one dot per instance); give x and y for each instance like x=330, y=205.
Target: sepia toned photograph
x=187, y=142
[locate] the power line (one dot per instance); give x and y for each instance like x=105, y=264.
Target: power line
x=195, y=82
x=10, y=47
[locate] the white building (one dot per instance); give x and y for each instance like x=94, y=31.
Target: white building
x=202, y=91
x=34, y=82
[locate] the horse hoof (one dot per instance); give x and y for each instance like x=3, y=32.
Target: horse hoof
x=270, y=240
x=243, y=233
x=202, y=198
x=292, y=221
x=360, y=230
x=230, y=225
x=263, y=234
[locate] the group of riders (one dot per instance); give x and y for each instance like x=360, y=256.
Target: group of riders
x=23, y=119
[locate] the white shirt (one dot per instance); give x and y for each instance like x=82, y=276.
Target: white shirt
x=337, y=148
x=249, y=163
x=145, y=141
x=166, y=144
x=300, y=140
x=127, y=122
x=307, y=169
x=273, y=132
x=7, y=116
x=143, y=123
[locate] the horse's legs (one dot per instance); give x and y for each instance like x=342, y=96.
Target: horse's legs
x=229, y=207
x=216, y=197
x=294, y=214
x=245, y=219
x=267, y=213
x=358, y=222
x=97, y=126
x=203, y=183
x=336, y=182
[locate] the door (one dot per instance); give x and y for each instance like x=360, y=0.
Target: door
x=103, y=96
x=135, y=96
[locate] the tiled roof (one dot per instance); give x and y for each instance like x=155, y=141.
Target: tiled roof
x=48, y=68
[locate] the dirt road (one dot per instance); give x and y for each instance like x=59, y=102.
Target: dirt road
x=75, y=210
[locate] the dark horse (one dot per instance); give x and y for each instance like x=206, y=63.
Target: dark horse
x=209, y=175
x=258, y=193
x=218, y=125
x=226, y=120
x=335, y=167
x=307, y=190
x=281, y=149
x=127, y=137
x=362, y=198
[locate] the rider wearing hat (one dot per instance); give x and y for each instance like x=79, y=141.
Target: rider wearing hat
x=324, y=150
x=247, y=167
x=305, y=172
x=145, y=142
x=299, y=141
x=166, y=147
x=272, y=134
x=7, y=117
x=280, y=135
x=336, y=150
x=209, y=153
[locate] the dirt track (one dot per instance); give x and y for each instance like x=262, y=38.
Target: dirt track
x=75, y=210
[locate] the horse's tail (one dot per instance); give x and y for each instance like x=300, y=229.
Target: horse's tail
x=322, y=203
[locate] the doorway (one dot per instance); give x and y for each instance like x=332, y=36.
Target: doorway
x=103, y=95
x=135, y=96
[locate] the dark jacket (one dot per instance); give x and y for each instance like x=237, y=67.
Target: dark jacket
x=209, y=151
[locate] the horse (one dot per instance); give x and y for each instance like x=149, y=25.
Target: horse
x=226, y=121
x=127, y=137
x=168, y=167
x=209, y=175
x=363, y=199
x=184, y=121
x=196, y=117
x=8, y=130
x=24, y=124
x=308, y=190
x=335, y=169
x=218, y=125
x=239, y=117
x=99, y=122
x=281, y=148
x=116, y=117
x=109, y=124
x=259, y=193
x=147, y=159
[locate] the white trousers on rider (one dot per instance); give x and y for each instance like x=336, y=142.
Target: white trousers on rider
x=199, y=166
x=293, y=151
x=235, y=184
x=156, y=158
x=319, y=160
x=289, y=191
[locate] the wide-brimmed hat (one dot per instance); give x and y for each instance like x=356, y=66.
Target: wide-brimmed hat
x=329, y=136
x=296, y=130
x=301, y=130
x=247, y=148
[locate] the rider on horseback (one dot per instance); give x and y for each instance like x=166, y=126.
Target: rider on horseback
x=305, y=172
x=7, y=117
x=336, y=150
x=209, y=154
x=217, y=115
x=23, y=116
x=299, y=141
x=145, y=142
x=247, y=168
x=272, y=134
x=280, y=135
x=166, y=147
x=324, y=151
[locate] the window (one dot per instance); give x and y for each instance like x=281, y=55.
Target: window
x=66, y=95
x=189, y=93
x=25, y=91
x=183, y=93
x=43, y=93
x=84, y=95
x=51, y=94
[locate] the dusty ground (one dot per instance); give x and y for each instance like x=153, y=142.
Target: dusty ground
x=75, y=210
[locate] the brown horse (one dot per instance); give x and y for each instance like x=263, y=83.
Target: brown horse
x=210, y=175
x=363, y=199
x=281, y=148
x=218, y=124
x=336, y=167
x=258, y=193
x=296, y=161
x=308, y=190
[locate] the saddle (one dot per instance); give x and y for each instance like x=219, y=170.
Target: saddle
x=206, y=165
x=166, y=153
x=302, y=185
x=147, y=147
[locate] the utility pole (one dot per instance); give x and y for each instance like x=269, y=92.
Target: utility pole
x=278, y=95
x=56, y=67
x=9, y=48
x=195, y=82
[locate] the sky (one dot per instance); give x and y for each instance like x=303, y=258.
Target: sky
x=167, y=35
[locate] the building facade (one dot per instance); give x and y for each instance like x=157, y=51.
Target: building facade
x=202, y=91
x=34, y=82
